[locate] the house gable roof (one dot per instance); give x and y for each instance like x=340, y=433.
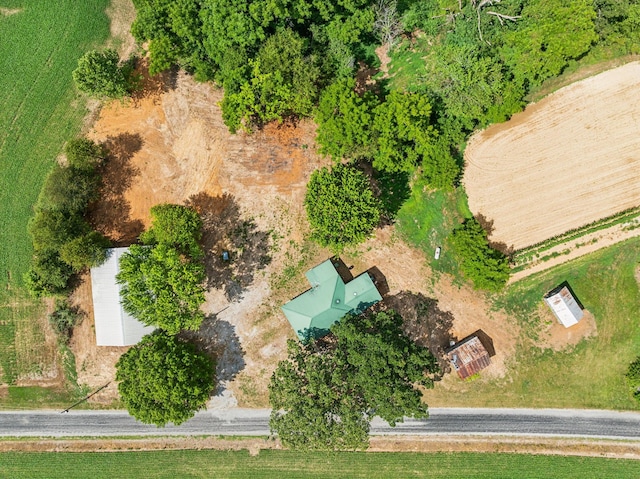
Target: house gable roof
x=329, y=299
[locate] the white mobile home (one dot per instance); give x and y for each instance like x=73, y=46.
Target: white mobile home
x=114, y=326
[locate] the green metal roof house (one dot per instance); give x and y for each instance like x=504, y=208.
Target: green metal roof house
x=313, y=312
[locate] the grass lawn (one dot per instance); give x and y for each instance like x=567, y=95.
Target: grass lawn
x=427, y=218
x=285, y=464
x=590, y=375
x=39, y=47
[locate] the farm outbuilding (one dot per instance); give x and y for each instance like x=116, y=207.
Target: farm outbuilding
x=564, y=305
x=313, y=312
x=469, y=356
x=114, y=326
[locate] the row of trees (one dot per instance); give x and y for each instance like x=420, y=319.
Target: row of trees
x=326, y=391
x=64, y=243
x=271, y=58
x=165, y=378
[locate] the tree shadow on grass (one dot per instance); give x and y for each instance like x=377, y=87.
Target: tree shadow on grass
x=224, y=230
x=218, y=339
x=424, y=323
x=110, y=214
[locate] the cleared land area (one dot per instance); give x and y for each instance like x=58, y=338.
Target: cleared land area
x=40, y=43
x=283, y=464
x=567, y=161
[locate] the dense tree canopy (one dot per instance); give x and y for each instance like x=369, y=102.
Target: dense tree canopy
x=62, y=239
x=99, y=74
x=324, y=395
x=161, y=287
x=485, y=266
x=270, y=57
x=164, y=379
x=551, y=33
x=345, y=121
x=341, y=207
x=177, y=226
x=283, y=83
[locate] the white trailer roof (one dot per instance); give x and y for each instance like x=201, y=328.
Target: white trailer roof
x=564, y=306
x=114, y=326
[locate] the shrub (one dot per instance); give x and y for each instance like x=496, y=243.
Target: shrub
x=63, y=319
x=100, y=75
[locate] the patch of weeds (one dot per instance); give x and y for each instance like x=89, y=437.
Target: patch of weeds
x=63, y=318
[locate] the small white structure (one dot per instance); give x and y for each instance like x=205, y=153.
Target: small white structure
x=564, y=306
x=114, y=326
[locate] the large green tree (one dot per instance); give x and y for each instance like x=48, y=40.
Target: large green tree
x=175, y=225
x=164, y=379
x=323, y=396
x=161, y=287
x=282, y=83
x=341, y=207
x=486, y=267
x=404, y=131
x=550, y=33
x=345, y=121
x=99, y=74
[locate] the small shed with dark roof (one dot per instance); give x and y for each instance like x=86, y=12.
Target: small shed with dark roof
x=468, y=356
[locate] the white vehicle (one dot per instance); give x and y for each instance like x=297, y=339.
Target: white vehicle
x=437, y=254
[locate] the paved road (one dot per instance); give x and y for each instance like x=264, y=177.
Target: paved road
x=252, y=422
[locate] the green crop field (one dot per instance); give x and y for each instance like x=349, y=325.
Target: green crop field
x=589, y=375
x=40, y=43
x=288, y=464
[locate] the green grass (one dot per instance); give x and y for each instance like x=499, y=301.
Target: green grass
x=39, y=47
x=589, y=375
x=288, y=464
x=408, y=64
x=427, y=218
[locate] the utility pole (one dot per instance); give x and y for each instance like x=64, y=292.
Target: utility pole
x=85, y=398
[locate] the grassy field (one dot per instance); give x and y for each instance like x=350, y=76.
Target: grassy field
x=40, y=43
x=287, y=464
x=589, y=375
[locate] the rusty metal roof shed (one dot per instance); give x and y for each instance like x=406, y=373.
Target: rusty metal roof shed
x=468, y=357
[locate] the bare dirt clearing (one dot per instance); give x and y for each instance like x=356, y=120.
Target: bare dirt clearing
x=566, y=161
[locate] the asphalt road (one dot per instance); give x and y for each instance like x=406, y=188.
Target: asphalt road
x=255, y=422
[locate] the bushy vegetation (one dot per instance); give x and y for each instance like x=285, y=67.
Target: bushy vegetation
x=163, y=282
x=633, y=378
x=341, y=207
x=164, y=379
x=63, y=318
x=100, y=75
x=485, y=266
x=63, y=241
x=326, y=392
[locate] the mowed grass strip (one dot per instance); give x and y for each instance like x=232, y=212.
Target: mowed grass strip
x=39, y=48
x=588, y=375
x=288, y=464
